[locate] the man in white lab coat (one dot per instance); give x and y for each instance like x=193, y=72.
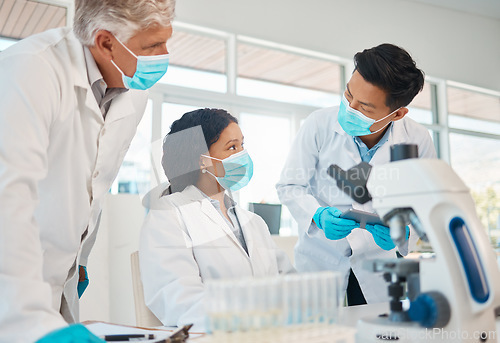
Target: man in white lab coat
x=70, y=102
x=370, y=118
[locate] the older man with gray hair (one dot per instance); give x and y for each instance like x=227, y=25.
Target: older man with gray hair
x=70, y=102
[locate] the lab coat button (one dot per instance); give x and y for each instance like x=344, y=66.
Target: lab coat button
x=103, y=131
x=96, y=174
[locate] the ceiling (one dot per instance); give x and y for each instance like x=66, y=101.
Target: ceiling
x=22, y=18
x=486, y=8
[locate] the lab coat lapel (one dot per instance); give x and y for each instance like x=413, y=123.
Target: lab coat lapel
x=258, y=253
x=209, y=210
x=352, y=149
x=121, y=106
x=248, y=231
x=91, y=103
x=350, y=146
x=216, y=217
x=82, y=85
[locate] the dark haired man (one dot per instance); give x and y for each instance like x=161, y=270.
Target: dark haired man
x=370, y=118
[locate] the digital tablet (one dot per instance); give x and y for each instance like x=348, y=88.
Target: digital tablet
x=362, y=217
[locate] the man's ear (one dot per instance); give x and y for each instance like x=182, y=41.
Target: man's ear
x=400, y=113
x=105, y=43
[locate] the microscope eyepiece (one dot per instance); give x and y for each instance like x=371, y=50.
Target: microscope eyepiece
x=403, y=151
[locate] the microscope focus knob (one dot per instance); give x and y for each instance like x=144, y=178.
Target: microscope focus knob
x=430, y=309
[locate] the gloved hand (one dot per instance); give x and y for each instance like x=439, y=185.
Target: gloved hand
x=83, y=280
x=327, y=219
x=74, y=333
x=382, y=235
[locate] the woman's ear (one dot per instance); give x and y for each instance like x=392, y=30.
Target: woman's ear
x=400, y=113
x=203, y=163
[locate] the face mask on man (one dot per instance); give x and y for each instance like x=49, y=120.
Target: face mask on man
x=356, y=123
x=149, y=70
x=238, y=170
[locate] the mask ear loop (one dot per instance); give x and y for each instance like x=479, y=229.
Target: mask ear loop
x=205, y=170
x=383, y=127
x=130, y=51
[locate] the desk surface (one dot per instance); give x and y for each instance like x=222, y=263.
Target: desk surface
x=345, y=332
x=349, y=316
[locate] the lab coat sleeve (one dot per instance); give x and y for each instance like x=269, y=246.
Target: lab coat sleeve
x=298, y=170
x=173, y=288
x=86, y=248
x=29, y=92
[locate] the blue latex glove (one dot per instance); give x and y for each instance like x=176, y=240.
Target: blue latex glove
x=327, y=219
x=382, y=235
x=82, y=285
x=74, y=333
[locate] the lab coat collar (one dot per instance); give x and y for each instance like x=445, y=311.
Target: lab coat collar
x=152, y=199
x=76, y=50
x=336, y=125
x=80, y=75
x=397, y=134
x=93, y=72
x=193, y=193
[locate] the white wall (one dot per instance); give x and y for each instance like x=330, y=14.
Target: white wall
x=445, y=43
x=109, y=296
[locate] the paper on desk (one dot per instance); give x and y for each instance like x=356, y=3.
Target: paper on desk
x=101, y=329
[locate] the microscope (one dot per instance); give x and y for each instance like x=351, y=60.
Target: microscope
x=455, y=294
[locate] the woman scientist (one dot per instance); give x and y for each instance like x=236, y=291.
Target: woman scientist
x=194, y=231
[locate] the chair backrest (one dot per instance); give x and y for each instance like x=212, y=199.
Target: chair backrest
x=143, y=315
x=271, y=213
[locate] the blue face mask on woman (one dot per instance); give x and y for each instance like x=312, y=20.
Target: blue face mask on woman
x=356, y=123
x=238, y=170
x=149, y=70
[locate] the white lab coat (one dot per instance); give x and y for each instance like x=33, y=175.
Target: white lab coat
x=185, y=241
x=305, y=185
x=58, y=158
